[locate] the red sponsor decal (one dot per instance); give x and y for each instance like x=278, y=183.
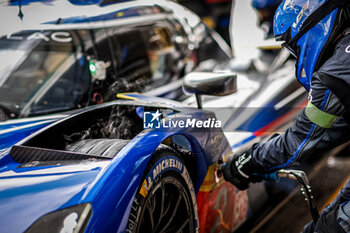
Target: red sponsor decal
x=222, y=209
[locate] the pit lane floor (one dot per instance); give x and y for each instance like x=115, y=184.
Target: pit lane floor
x=326, y=177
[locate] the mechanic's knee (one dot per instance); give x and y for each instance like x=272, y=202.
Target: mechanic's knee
x=343, y=216
x=335, y=221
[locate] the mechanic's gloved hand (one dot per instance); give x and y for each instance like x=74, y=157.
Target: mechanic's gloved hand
x=239, y=172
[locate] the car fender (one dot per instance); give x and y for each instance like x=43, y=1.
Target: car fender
x=116, y=185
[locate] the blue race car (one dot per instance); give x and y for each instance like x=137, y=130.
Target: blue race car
x=140, y=164
x=81, y=53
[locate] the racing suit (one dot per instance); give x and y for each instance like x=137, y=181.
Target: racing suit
x=323, y=124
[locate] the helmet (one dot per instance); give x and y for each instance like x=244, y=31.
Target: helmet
x=265, y=4
x=84, y=2
x=266, y=10
x=308, y=28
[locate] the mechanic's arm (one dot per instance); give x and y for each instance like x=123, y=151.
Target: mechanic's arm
x=312, y=125
x=310, y=128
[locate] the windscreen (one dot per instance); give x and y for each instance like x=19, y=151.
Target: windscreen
x=41, y=72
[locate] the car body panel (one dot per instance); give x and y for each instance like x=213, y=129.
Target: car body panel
x=27, y=194
x=13, y=131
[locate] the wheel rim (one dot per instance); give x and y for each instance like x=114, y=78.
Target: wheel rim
x=167, y=209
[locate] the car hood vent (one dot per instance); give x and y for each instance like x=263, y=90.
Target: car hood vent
x=26, y=154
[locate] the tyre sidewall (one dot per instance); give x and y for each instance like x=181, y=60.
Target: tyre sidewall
x=165, y=163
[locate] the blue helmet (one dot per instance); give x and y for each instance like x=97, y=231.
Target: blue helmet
x=308, y=28
x=266, y=18
x=85, y=2
x=265, y=4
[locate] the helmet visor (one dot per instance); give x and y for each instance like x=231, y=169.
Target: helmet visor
x=291, y=48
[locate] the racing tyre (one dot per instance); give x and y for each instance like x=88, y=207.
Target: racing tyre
x=165, y=200
x=102, y=147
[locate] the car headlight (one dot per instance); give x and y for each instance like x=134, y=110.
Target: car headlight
x=69, y=220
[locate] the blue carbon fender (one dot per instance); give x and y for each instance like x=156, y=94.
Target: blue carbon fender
x=116, y=186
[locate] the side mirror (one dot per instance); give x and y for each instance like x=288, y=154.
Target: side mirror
x=209, y=83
